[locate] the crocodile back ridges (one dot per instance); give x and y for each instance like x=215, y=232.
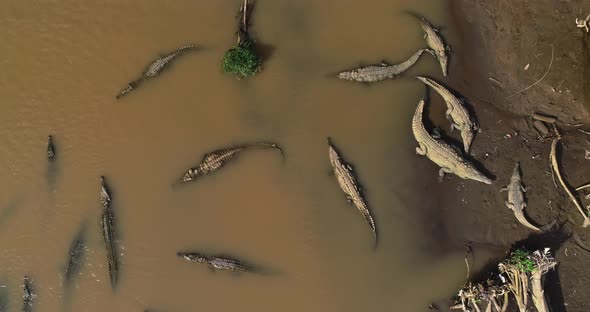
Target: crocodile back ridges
x=422, y=136
x=158, y=65
x=110, y=244
x=374, y=73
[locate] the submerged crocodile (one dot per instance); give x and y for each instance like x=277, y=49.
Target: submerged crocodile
x=76, y=253
x=384, y=71
x=105, y=193
x=155, y=68
x=28, y=295
x=108, y=233
x=435, y=41
x=50, y=148
x=215, y=160
x=516, y=201
x=441, y=153
x=456, y=112
x=348, y=183
x=217, y=262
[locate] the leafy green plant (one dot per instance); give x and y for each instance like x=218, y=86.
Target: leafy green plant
x=523, y=261
x=241, y=60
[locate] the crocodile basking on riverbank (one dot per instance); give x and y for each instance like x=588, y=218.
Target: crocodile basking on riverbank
x=108, y=233
x=155, y=68
x=374, y=73
x=348, y=183
x=217, y=262
x=516, y=201
x=456, y=112
x=215, y=160
x=435, y=42
x=441, y=153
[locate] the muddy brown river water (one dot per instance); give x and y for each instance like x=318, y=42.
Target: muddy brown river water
x=63, y=63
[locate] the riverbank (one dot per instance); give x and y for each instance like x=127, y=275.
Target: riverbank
x=510, y=60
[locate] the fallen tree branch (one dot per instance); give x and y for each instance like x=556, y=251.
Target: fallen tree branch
x=555, y=166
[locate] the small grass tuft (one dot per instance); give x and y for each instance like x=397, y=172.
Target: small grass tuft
x=523, y=261
x=241, y=60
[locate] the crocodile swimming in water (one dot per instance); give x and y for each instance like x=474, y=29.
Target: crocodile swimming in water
x=215, y=160
x=155, y=68
x=435, y=42
x=50, y=148
x=441, y=153
x=516, y=201
x=217, y=262
x=348, y=183
x=76, y=253
x=381, y=72
x=108, y=233
x=28, y=294
x=456, y=112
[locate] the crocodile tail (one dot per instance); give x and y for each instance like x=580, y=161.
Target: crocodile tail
x=186, y=47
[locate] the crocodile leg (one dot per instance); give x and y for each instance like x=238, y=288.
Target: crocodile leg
x=454, y=126
x=421, y=150
x=504, y=189
x=523, y=188
x=509, y=205
x=441, y=173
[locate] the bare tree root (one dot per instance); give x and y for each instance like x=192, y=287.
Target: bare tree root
x=544, y=263
x=518, y=283
x=555, y=166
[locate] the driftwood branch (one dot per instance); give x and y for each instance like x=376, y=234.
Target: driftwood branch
x=555, y=166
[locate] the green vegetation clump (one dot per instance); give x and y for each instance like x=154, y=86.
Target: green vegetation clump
x=241, y=60
x=522, y=260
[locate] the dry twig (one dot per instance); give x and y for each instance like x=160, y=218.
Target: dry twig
x=536, y=82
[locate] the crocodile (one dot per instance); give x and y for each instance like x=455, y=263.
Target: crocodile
x=76, y=253
x=105, y=193
x=456, y=112
x=217, y=262
x=108, y=233
x=441, y=153
x=155, y=68
x=516, y=201
x=348, y=183
x=28, y=294
x=50, y=148
x=435, y=41
x=215, y=160
x=374, y=73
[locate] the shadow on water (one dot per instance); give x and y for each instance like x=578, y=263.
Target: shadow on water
x=8, y=211
x=4, y=298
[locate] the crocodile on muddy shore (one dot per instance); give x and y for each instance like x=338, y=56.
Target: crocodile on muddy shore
x=374, y=73
x=155, y=68
x=217, y=159
x=217, y=262
x=350, y=186
x=456, y=113
x=435, y=41
x=447, y=157
x=516, y=201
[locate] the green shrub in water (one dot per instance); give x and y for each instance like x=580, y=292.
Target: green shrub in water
x=522, y=260
x=241, y=60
